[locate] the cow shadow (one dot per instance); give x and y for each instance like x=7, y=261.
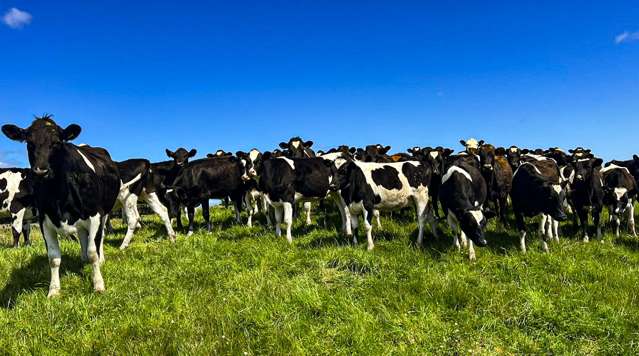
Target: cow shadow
x=628, y=241
x=34, y=276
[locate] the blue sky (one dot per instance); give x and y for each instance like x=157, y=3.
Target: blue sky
x=142, y=77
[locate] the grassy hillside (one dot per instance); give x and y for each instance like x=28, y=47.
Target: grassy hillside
x=241, y=290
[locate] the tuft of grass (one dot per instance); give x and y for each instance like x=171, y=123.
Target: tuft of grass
x=241, y=290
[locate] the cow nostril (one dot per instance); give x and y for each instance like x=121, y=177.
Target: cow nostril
x=40, y=171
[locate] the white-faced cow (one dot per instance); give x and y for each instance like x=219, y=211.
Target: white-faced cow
x=368, y=186
x=462, y=195
x=16, y=197
x=75, y=189
x=620, y=192
x=145, y=189
x=537, y=191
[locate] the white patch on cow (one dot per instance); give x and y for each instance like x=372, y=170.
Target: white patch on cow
x=336, y=157
x=583, y=159
x=613, y=166
x=620, y=192
x=394, y=198
x=514, y=149
x=457, y=169
x=536, y=157
x=562, y=175
x=253, y=154
x=12, y=188
x=478, y=215
x=169, y=190
x=289, y=161
x=295, y=144
x=472, y=143
x=86, y=160
x=556, y=188
x=433, y=154
x=527, y=163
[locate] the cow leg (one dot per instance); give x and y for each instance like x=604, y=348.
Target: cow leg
x=237, y=205
x=521, y=226
x=555, y=229
x=178, y=218
x=267, y=211
x=17, y=220
x=368, y=227
x=615, y=221
x=354, y=226
x=542, y=224
x=99, y=239
x=92, y=233
x=206, y=214
x=251, y=206
x=471, y=250
x=503, y=211
x=420, y=210
x=596, y=218
x=16, y=237
x=288, y=220
x=583, y=219
x=307, y=210
x=453, y=229
x=190, y=213
x=128, y=207
x=631, y=218
x=26, y=231
x=278, y=211
x=55, y=256
x=109, y=227
x=159, y=208
x=377, y=219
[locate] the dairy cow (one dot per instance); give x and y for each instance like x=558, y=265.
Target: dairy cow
x=620, y=192
x=587, y=192
x=16, y=197
x=75, y=188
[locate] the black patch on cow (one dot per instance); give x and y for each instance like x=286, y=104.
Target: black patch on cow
x=3, y=184
x=416, y=175
x=387, y=177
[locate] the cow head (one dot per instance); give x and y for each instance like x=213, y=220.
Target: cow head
x=473, y=222
x=373, y=153
x=555, y=199
x=181, y=156
x=513, y=154
x=472, y=145
x=44, y=140
x=556, y=153
x=297, y=148
x=580, y=152
x=585, y=169
x=487, y=157
x=219, y=154
x=251, y=162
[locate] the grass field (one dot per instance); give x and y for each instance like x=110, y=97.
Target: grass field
x=241, y=290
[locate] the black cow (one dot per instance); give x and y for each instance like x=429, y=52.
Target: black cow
x=164, y=174
x=632, y=165
x=537, y=190
x=297, y=148
x=209, y=178
x=620, y=191
x=145, y=189
x=369, y=186
x=16, y=197
x=499, y=177
x=373, y=153
x=587, y=192
x=285, y=181
x=75, y=189
x=513, y=154
x=462, y=194
x=219, y=153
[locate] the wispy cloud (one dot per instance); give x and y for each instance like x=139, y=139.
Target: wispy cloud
x=16, y=18
x=626, y=36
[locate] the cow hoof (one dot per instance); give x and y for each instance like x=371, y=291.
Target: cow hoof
x=53, y=293
x=100, y=289
x=370, y=247
x=190, y=233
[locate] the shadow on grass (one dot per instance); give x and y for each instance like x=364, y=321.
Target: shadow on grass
x=31, y=276
x=628, y=241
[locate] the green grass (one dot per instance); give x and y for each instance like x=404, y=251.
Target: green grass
x=242, y=290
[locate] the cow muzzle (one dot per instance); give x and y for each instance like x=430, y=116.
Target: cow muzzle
x=41, y=171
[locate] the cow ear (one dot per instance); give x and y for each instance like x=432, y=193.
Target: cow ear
x=597, y=162
x=170, y=153
x=500, y=151
x=571, y=151
x=320, y=152
x=240, y=154
x=447, y=152
x=71, y=132
x=352, y=150
x=210, y=155
x=283, y=145
x=386, y=149
x=463, y=142
x=192, y=152
x=14, y=132
x=634, y=157
x=480, y=143
x=308, y=144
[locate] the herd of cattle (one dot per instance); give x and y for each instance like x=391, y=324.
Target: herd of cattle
x=72, y=189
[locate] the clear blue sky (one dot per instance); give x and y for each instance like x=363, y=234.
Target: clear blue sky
x=142, y=77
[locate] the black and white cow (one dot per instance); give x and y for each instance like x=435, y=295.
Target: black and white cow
x=537, y=191
x=219, y=153
x=587, y=192
x=620, y=192
x=16, y=197
x=286, y=181
x=209, y=178
x=369, y=186
x=462, y=195
x=436, y=157
x=513, y=154
x=75, y=189
x=632, y=165
x=145, y=189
